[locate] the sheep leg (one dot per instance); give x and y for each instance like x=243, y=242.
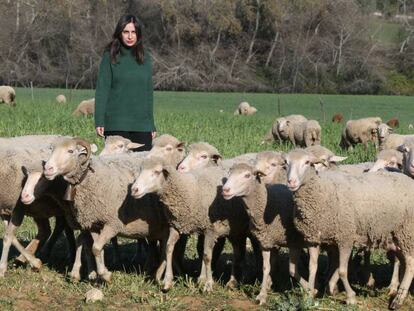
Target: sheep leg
x=209, y=242
x=239, y=252
x=367, y=268
x=75, y=273
x=71, y=242
x=115, y=251
x=313, y=267
x=257, y=254
x=163, y=263
x=344, y=255
x=405, y=283
x=99, y=241
x=217, y=250
x=57, y=231
x=173, y=237
x=267, y=280
x=294, y=254
x=395, y=279
x=43, y=232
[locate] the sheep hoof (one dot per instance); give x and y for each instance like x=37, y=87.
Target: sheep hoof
x=37, y=264
x=201, y=280
x=371, y=282
x=351, y=300
x=167, y=287
x=2, y=272
x=106, y=276
x=396, y=303
x=92, y=276
x=392, y=291
x=232, y=284
x=21, y=260
x=261, y=299
x=333, y=290
x=208, y=287
x=75, y=277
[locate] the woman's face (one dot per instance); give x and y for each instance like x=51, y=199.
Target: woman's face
x=129, y=35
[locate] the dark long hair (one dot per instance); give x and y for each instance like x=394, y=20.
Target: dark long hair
x=115, y=45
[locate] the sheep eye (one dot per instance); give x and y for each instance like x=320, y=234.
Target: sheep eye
x=121, y=146
x=307, y=162
x=247, y=175
x=157, y=173
x=70, y=151
x=204, y=156
x=273, y=164
x=169, y=148
x=392, y=163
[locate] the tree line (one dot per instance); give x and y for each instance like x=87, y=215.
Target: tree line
x=313, y=46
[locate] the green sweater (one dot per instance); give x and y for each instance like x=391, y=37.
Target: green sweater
x=124, y=94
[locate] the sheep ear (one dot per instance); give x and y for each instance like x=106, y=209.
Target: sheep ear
x=25, y=170
x=287, y=122
x=132, y=145
x=94, y=148
x=180, y=146
x=403, y=148
x=390, y=130
x=165, y=173
x=336, y=158
x=82, y=149
x=216, y=157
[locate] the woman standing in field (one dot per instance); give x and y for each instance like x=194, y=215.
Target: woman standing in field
x=124, y=90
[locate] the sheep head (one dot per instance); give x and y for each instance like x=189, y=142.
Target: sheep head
x=270, y=163
x=298, y=162
x=151, y=178
x=117, y=145
x=200, y=155
x=239, y=183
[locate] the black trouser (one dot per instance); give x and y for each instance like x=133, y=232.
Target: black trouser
x=135, y=137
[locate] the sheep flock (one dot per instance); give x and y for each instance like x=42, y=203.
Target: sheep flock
x=303, y=200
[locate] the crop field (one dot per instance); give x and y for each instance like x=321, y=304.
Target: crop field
x=191, y=117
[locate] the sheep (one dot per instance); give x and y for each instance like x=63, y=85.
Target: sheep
x=103, y=203
x=393, y=123
x=283, y=128
x=306, y=133
x=271, y=164
x=244, y=108
x=7, y=95
x=85, y=108
x=339, y=209
x=270, y=209
x=12, y=175
x=388, y=140
x=410, y=127
x=359, y=131
x=388, y=158
x=337, y=118
x=61, y=99
x=203, y=154
x=192, y=204
x=117, y=145
x=169, y=148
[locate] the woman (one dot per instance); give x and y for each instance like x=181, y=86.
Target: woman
x=124, y=91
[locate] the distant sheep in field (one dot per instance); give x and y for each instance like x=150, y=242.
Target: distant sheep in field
x=61, y=99
x=360, y=131
x=245, y=109
x=7, y=95
x=410, y=127
x=85, y=108
x=337, y=118
x=393, y=123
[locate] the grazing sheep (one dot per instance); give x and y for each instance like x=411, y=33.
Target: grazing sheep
x=103, y=204
x=360, y=131
x=61, y=99
x=410, y=127
x=7, y=95
x=271, y=164
x=337, y=118
x=283, y=128
x=192, y=204
x=245, y=109
x=393, y=122
x=339, y=209
x=85, y=108
x=388, y=140
x=117, y=145
x=270, y=209
x=306, y=133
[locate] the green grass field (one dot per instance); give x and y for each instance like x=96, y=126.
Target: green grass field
x=191, y=117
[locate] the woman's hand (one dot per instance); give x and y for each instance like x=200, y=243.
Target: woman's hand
x=153, y=134
x=100, y=131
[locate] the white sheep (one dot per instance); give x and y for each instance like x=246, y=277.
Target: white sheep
x=271, y=164
x=283, y=128
x=117, y=145
x=244, y=108
x=7, y=95
x=270, y=209
x=61, y=99
x=85, y=108
x=360, y=131
x=388, y=140
x=306, y=133
x=193, y=205
x=339, y=209
x=169, y=148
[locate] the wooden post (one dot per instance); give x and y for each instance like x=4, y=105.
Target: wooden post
x=31, y=89
x=278, y=106
x=322, y=110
